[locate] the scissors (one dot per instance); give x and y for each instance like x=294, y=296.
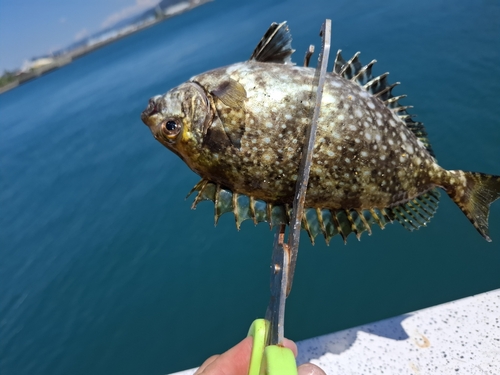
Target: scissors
x=269, y=356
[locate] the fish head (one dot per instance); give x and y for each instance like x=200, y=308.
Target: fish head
x=178, y=118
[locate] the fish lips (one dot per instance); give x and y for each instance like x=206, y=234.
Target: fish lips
x=150, y=111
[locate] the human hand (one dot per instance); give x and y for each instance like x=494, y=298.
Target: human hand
x=237, y=360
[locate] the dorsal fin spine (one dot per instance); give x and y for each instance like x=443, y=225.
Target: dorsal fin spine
x=339, y=62
x=351, y=64
x=401, y=108
x=394, y=99
x=364, y=74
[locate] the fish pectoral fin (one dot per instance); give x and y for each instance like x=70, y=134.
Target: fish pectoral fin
x=275, y=46
x=231, y=93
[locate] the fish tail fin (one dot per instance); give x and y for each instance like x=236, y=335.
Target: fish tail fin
x=474, y=193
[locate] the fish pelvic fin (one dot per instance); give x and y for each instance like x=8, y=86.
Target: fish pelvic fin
x=474, y=193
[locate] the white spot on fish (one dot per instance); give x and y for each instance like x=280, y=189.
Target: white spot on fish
x=368, y=135
x=267, y=140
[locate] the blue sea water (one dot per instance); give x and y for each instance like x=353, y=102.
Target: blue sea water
x=104, y=269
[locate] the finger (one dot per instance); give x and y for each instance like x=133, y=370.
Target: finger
x=205, y=364
x=310, y=369
x=233, y=362
x=290, y=345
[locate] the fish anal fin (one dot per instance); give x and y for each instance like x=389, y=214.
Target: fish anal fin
x=222, y=202
x=474, y=193
x=417, y=212
x=316, y=221
x=275, y=46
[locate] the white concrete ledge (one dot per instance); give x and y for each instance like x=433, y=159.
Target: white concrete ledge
x=459, y=337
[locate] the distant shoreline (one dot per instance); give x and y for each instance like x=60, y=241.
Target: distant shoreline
x=67, y=58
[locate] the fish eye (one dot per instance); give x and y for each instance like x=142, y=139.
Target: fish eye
x=171, y=125
x=170, y=128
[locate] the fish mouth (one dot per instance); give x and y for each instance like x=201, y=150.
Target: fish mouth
x=150, y=110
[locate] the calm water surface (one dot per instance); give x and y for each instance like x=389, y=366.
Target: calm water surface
x=104, y=268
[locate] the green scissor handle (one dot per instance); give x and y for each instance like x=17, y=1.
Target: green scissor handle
x=272, y=359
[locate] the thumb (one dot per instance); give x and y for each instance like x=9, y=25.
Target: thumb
x=310, y=369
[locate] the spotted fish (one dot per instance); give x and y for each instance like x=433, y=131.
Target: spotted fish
x=242, y=129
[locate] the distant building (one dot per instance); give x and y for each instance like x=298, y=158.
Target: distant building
x=36, y=63
x=177, y=8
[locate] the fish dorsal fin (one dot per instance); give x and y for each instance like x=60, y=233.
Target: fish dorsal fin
x=275, y=46
x=378, y=86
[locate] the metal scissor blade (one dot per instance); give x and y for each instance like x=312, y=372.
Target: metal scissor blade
x=275, y=313
x=285, y=255
x=307, y=153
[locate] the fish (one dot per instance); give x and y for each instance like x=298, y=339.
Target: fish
x=242, y=129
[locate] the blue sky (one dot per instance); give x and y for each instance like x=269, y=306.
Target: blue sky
x=30, y=28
